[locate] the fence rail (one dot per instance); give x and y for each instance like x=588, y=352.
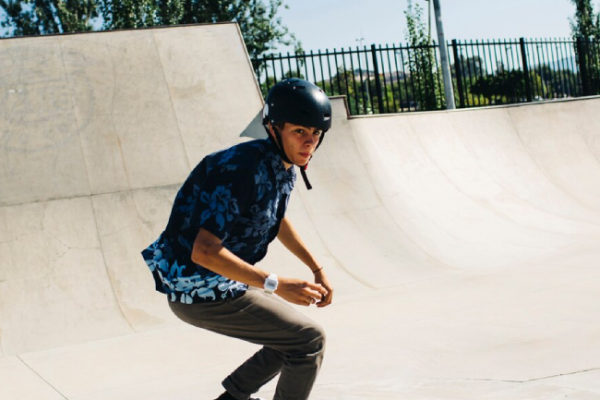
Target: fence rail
x=389, y=79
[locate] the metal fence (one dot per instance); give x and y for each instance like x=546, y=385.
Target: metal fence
x=403, y=78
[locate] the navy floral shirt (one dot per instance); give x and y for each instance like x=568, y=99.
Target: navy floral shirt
x=240, y=195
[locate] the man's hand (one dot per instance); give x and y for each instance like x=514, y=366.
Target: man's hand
x=290, y=239
x=321, y=279
x=300, y=292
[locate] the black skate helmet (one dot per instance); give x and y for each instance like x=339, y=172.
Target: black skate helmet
x=301, y=103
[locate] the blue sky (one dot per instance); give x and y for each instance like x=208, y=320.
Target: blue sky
x=328, y=24
x=325, y=24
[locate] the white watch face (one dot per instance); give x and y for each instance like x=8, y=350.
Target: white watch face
x=271, y=283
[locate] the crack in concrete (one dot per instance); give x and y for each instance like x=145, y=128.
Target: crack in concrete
x=534, y=379
x=42, y=378
x=52, y=235
x=107, y=271
x=2, y=351
x=565, y=374
x=83, y=196
x=16, y=238
x=108, y=235
x=173, y=109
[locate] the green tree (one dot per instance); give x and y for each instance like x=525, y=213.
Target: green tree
x=43, y=17
x=507, y=87
x=261, y=27
x=347, y=83
x=586, y=23
x=422, y=60
x=586, y=27
x=470, y=66
x=259, y=22
x=126, y=14
x=558, y=82
x=399, y=93
x=267, y=83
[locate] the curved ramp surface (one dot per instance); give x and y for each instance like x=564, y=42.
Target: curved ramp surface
x=464, y=246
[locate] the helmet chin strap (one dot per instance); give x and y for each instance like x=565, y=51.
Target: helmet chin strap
x=303, y=172
x=304, y=167
x=279, y=144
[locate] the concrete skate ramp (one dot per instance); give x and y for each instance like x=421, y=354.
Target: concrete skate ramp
x=464, y=246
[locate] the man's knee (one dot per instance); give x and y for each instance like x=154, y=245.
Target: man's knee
x=314, y=339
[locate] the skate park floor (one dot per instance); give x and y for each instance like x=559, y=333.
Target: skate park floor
x=464, y=246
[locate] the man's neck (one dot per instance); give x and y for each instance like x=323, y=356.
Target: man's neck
x=285, y=164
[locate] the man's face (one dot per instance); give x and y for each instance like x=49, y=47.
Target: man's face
x=299, y=142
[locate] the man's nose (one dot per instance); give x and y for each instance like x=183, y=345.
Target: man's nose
x=310, y=141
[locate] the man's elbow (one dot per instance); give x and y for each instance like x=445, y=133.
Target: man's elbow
x=206, y=247
x=199, y=257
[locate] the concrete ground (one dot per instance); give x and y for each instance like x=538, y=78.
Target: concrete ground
x=464, y=246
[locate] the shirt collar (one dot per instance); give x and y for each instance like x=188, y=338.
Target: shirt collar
x=277, y=164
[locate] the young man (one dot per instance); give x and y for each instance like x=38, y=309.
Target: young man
x=224, y=216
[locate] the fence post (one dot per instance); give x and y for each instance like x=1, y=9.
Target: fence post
x=377, y=79
x=448, y=88
x=526, y=70
x=458, y=69
x=582, y=60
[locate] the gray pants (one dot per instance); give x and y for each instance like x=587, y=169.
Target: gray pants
x=293, y=344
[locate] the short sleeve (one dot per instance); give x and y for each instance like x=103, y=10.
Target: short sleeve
x=221, y=198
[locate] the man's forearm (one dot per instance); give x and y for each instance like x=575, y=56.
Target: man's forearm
x=209, y=252
x=212, y=255
x=291, y=240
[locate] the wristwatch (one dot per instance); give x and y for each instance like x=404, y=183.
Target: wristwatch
x=271, y=284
